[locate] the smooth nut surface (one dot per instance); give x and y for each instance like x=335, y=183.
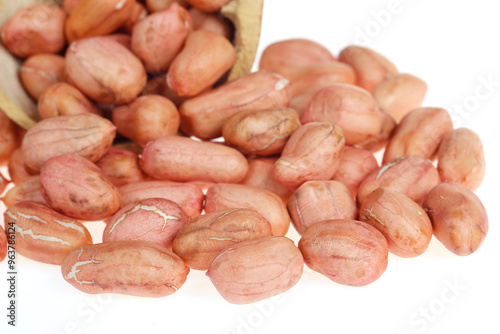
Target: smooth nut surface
x=403, y=222
x=201, y=240
x=41, y=71
x=121, y=167
x=136, y=268
x=245, y=273
x=346, y=251
x=18, y=170
x=26, y=190
x=458, y=217
x=45, y=235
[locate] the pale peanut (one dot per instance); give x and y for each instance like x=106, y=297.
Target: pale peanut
x=121, y=167
x=35, y=29
x=315, y=201
x=27, y=189
x=351, y=108
x=134, y=120
x=204, y=115
x=261, y=132
x=132, y=267
x=184, y=159
x=419, y=133
x=203, y=60
x=403, y=222
x=87, y=135
x=300, y=102
x=77, y=188
x=45, y=235
x=62, y=99
x=41, y=71
x=346, y=251
x=188, y=196
x=461, y=158
x=201, y=240
x=269, y=205
x=245, y=273
x=158, y=38
x=381, y=140
x=355, y=165
x=410, y=175
x=313, y=152
x=156, y=220
x=458, y=217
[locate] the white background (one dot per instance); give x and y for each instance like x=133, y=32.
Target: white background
x=454, y=46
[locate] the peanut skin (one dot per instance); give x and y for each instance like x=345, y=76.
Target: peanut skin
x=245, y=273
x=188, y=196
x=295, y=53
x=184, y=159
x=26, y=190
x=313, y=152
x=410, y=175
x=136, y=268
x=87, y=135
x=77, y=188
x=211, y=22
x=205, y=50
x=269, y=205
x=203, y=116
x=381, y=140
x=155, y=220
x=346, y=251
x=461, y=158
x=403, y=222
x=201, y=240
x=121, y=167
x=351, y=108
x=316, y=201
x=458, y=217
x=45, y=235
x=261, y=132
x=3, y=244
x=41, y=71
x=160, y=5
x=3, y=183
x=9, y=138
x=419, y=133
x=18, y=170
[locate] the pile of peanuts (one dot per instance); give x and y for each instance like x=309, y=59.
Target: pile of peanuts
x=299, y=138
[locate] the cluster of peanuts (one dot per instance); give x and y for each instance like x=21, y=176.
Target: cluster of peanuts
x=299, y=137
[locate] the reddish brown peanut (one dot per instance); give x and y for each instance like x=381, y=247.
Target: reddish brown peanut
x=351, y=108
x=3, y=243
x=260, y=174
x=419, y=133
x=18, y=170
x=261, y=132
x=381, y=140
x=45, y=235
x=207, y=5
x=313, y=152
x=184, y=159
x=188, y=196
x=134, y=121
x=461, y=158
x=203, y=60
x=458, y=217
x=97, y=17
x=121, y=167
x=158, y=38
x=346, y=251
x=26, y=190
x=62, y=99
x=325, y=74
x=400, y=94
x=41, y=71
x=269, y=205
x=155, y=220
x=136, y=268
x=139, y=13
x=160, y=5
x=35, y=29
x=87, y=135
x=158, y=86
x=211, y=22
x=294, y=53
x=105, y=70
x=4, y=182
x=201, y=240
x=410, y=175
x=9, y=138
x=355, y=165
x=245, y=273
x=77, y=188
x=370, y=66
x=204, y=115
x=403, y=222
x=316, y=201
